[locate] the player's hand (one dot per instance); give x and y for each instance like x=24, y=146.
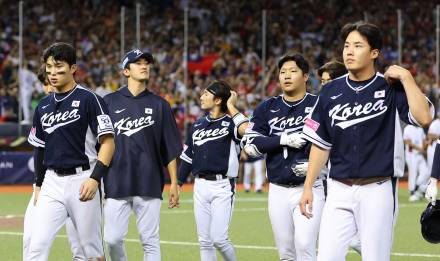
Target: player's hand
x=36, y=194
x=173, y=196
x=232, y=101
x=300, y=170
x=88, y=189
x=294, y=140
x=396, y=73
x=431, y=191
x=306, y=203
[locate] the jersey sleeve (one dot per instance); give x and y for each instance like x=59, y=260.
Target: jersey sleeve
x=403, y=106
x=187, y=153
x=171, y=145
x=36, y=135
x=435, y=173
x=98, y=115
x=315, y=127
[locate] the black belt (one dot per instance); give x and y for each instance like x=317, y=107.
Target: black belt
x=211, y=176
x=70, y=171
x=288, y=185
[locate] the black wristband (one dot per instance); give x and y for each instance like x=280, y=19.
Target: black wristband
x=99, y=171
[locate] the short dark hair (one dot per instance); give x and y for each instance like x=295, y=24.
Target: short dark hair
x=221, y=90
x=370, y=31
x=42, y=75
x=334, y=68
x=62, y=52
x=298, y=58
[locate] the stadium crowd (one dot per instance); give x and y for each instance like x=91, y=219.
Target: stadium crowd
x=224, y=42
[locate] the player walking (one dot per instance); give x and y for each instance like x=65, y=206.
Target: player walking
x=354, y=124
x=211, y=154
x=29, y=215
x=67, y=126
x=147, y=139
x=276, y=129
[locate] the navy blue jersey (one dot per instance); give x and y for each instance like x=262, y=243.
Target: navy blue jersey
x=358, y=122
x=212, y=147
x=270, y=119
x=435, y=172
x=68, y=128
x=147, y=139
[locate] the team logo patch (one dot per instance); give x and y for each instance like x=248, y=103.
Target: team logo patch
x=312, y=124
x=33, y=131
x=379, y=94
x=148, y=111
x=104, y=122
x=225, y=123
x=308, y=109
x=75, y=104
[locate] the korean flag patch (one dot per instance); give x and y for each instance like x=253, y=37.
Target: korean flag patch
x=148, y=111
x=225, y=123
x=104, y=123
x=75, y=104
x=308, y=109
x=379, y=94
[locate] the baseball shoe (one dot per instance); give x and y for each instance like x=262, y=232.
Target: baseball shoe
x=416, y=196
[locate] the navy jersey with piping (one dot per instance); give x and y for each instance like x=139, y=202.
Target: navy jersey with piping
x=146, y=139
x=212, y=147
x=435, y=172
x=359, y=123
x=68, y=127
x=270, y=119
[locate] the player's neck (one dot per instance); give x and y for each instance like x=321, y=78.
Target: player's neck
x=362, y=75
x=295, y=95
x=136, y=87
x=65, y=88
x=216, y=113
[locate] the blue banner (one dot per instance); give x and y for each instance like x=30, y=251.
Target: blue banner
x=16, y=168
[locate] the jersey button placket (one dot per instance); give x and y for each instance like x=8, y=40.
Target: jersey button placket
x=356, y=152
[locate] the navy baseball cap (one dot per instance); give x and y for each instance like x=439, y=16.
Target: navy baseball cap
x=134, y=55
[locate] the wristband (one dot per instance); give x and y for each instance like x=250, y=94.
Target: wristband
x=239, y=118
x=99, y=171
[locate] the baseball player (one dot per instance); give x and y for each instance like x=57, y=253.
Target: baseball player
x=331, y=70
x=254, y=165
x=354, y=125
x=147, y=139
x=67, y=127
x=211, y=154
x=29, y=214
x=431, y=191
x=276, y=129
x=418, y=173
x=28, y=83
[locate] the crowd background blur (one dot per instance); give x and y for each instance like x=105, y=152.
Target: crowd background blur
x=224, y=40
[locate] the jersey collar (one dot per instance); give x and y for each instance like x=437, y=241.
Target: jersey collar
x=294, y=103
x=360, y=88
x=124, y=91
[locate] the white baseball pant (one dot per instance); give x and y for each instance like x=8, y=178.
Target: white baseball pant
x=257, y=167
x=347, y=211
x=116, y=216
x=418, y=173
x=58, y=200
x=213, y=206
x=295, y=235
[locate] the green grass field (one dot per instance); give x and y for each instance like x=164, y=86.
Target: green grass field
x=250, y=232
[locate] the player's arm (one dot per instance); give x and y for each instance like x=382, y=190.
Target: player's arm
x=90, y=186
x=40, y=171
x=239, y=119
x=173, y=197
x=317, y=159
x=418, y=104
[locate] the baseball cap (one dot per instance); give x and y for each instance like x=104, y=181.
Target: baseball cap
x=134, y=55
x=220, y=89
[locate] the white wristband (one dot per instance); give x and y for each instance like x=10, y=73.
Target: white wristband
x=239, y=118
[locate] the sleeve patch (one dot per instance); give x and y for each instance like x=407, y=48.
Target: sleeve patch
x=312, y=124
x=104, y=122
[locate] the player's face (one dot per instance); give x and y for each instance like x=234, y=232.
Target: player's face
x=292, y=77
x=139, y=70
x=357, y=52
x=325, y=78
x=208, y=101
x=59, y=73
